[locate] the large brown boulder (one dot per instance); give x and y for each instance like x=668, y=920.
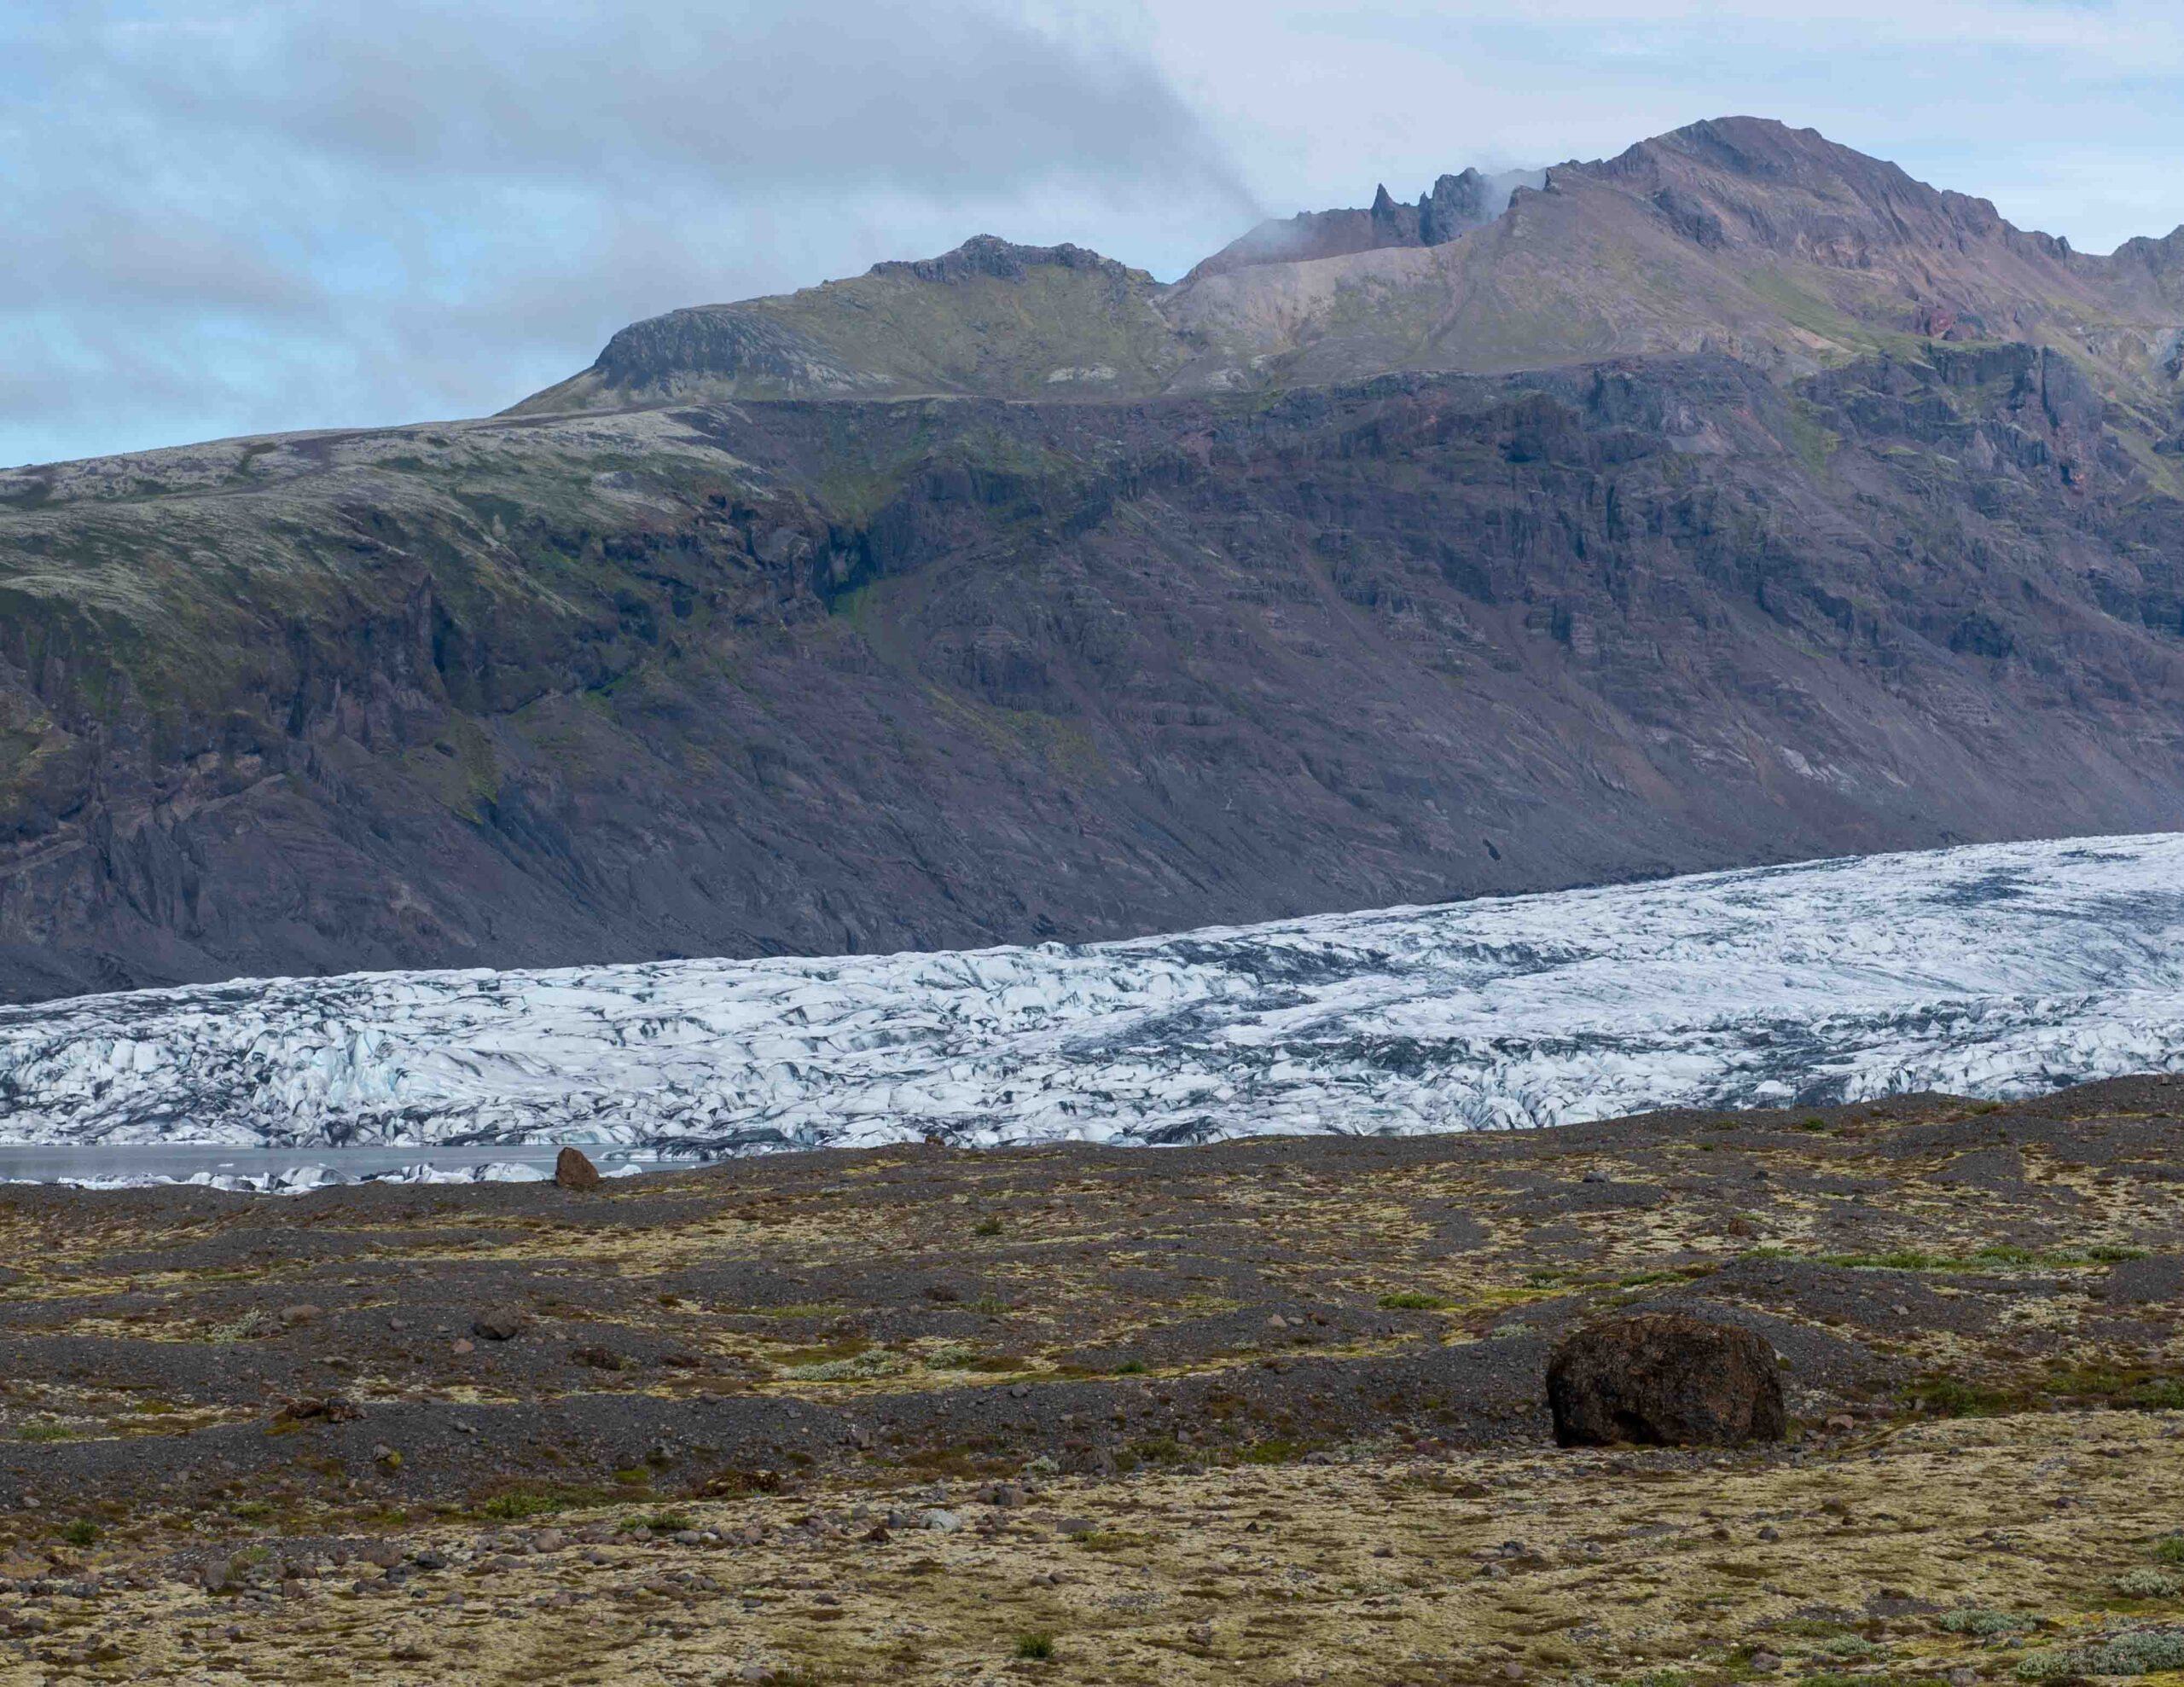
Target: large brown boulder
x=572, y=1169
x=1661, y=1379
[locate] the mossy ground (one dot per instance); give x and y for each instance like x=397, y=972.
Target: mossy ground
x=1392, y=1566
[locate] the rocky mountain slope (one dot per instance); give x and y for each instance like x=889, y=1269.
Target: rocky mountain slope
x=1733, y=501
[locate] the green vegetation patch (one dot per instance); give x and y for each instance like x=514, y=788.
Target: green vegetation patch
x=1986, y=1624
x=517, y=1504
x=2143, y=1651
x=1272, y=1450
x=861, y=1367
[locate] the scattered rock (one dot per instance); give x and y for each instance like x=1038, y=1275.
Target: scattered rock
x=1765, y=1663
x=572, y=1169
x=331, y=1409
x=502, y=1323
x=1664, y=1379
x=947, y=1523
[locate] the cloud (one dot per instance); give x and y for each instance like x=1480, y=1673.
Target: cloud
x=940, y=98
x=340, y=214
x=227, y=218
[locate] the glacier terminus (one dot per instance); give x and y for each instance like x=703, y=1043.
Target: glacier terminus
x=1993, y=971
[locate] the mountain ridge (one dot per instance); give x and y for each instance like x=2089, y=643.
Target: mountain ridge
x=1805, y=248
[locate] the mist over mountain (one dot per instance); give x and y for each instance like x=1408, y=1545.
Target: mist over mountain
x=1735, y=499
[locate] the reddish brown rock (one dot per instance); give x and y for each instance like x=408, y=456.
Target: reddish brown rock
x=572, y=1169
x=1664, y=1380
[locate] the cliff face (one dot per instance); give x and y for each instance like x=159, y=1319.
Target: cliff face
x=662, y=664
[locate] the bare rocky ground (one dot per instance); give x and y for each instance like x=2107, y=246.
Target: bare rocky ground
x=1264, y=1412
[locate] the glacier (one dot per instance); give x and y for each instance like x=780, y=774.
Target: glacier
x=1993, y=971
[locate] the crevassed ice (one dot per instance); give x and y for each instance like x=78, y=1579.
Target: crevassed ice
x=1994, y=970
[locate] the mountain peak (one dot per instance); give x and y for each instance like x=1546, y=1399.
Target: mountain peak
x=993, y=258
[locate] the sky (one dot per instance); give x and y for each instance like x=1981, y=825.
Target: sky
x=224, y=218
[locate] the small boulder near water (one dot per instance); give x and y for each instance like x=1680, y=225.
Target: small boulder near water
x=572, y=1169
x=1661, y=1379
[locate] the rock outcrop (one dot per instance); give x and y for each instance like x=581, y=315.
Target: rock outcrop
x=1452, y=208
